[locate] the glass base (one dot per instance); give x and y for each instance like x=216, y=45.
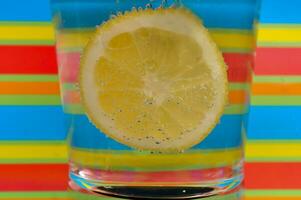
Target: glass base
x=155, y=190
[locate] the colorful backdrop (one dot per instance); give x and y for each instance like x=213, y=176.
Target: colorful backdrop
x=32, y=134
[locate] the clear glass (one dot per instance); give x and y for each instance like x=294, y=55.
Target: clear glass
x=103, y=165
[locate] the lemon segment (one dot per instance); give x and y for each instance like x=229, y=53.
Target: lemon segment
x=154, y=80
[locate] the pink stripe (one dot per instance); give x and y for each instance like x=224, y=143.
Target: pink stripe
x=188, y=176
x=69, y=66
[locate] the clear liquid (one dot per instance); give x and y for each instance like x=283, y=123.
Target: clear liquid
x=102, y=165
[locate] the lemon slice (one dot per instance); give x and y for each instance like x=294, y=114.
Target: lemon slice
x=154, y=80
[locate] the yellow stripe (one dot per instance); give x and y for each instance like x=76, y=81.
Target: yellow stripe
x=33, y=151
x=233, y=40
x=26, y=33
x=78, y=39
x=278, y=34
x=131, y=160
x=285, y=150
x=74, y=39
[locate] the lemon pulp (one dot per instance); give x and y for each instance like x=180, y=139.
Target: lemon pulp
x=154, y=80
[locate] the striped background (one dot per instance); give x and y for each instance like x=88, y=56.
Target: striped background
x=273, y=151
x=33, y=157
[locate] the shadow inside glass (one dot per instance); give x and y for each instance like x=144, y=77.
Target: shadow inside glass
x=77, y=193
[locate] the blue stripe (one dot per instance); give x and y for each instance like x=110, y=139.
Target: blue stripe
x=49, y=123
x=32, y=123
x=226, y=134
x=236, y=14
x=280, y=11
x=25, y=10
x=274, y=122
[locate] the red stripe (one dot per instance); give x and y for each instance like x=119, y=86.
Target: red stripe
x=42, y=60
x=33, y=177
x=273, y=175
x=278, y=61
x=239, y=66
x=28, y=60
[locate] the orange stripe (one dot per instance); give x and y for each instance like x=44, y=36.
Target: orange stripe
x=237, y=97
x=29, y=88
x=272, y=198
x=71, y=97
x=276, y=89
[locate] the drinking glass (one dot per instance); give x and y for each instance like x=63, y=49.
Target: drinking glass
x=155, y=94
